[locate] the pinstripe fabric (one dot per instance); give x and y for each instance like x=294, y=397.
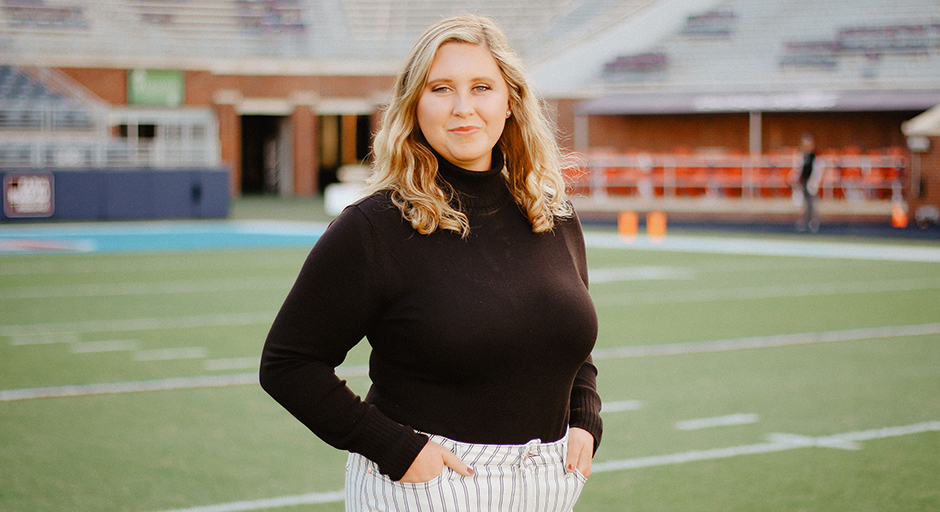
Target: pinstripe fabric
x=508, y=478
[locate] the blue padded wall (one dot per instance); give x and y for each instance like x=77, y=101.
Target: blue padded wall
x=136, y=194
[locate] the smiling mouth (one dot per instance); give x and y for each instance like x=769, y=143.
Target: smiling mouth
x=465, y=130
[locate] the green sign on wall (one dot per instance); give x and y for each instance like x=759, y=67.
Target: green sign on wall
x=163, y=88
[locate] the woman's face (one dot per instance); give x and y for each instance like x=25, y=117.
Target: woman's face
x=464, y=105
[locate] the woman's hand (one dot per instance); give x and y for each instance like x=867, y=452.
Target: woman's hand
x=580, y=451
x=430, y=463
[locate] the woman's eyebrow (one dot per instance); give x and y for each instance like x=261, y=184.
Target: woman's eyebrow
x=448, y=80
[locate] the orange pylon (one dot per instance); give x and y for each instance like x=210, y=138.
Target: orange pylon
x=628, y=223
x=898, y=216
x=656, y=226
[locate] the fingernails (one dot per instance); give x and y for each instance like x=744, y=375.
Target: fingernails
x=570, y=467
x=471, y=471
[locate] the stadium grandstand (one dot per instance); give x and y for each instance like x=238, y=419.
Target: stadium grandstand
x=694, y=107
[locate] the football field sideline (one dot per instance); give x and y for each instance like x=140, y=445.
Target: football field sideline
x=128, y=378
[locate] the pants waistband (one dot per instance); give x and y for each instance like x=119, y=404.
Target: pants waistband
x=534, y=452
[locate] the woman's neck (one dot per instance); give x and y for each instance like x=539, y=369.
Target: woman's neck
x=476, y=191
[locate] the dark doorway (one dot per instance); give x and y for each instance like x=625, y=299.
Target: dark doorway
x=259, y=133
x=344, y=140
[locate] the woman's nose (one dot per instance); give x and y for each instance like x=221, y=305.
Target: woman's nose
x=463, y=105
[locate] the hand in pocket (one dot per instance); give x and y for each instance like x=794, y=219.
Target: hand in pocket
x=430, y=463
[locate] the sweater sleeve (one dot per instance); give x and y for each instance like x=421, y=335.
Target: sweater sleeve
x=585, y=408
x=585, y=403
x=338, y=294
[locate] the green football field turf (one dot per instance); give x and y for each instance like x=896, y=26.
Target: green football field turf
x=739, y=373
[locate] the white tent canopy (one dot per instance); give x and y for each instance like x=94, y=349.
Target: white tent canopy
x=924, y=125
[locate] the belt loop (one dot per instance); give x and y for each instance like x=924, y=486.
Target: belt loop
x=529, y=449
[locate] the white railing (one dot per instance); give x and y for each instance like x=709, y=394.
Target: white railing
x=62, y=135
x=102, y=154
x=55, y=123
x=47, y=117
x=714, y=176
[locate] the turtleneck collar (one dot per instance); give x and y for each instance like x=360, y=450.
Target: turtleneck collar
x=477, y=191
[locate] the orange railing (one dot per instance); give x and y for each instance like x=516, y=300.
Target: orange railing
x=847, y=174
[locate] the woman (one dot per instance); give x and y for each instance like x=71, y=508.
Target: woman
x=466, y=272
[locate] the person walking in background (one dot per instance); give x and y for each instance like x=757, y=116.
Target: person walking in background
x=466, y=271
x=809, y=184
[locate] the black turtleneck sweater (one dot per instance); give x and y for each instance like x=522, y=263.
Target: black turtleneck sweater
x=484, y=340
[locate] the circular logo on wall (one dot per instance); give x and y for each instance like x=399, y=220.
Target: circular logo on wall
x=28, y=195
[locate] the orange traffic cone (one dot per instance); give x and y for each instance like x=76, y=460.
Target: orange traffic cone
x=628, y=223
x=656, y=226
x=898, y=216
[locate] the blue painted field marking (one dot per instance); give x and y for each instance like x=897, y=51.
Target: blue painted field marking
x=156, y=236
x=226, y=234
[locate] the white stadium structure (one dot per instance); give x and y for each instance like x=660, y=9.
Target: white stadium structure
x=689, y=106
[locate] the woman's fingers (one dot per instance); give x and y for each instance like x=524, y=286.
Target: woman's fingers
x=427, y=465
x=453, y=462
x=580, y=451
x=430, y=462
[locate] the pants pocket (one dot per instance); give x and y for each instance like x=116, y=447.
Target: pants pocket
x=580, y=476
x=368, y=490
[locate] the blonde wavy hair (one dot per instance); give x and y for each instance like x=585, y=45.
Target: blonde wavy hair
x=406, y=166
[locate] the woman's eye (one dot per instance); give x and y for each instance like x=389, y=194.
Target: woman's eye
x=481, y=88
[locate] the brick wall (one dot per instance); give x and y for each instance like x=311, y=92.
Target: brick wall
x=108, y=84
x=663, y=133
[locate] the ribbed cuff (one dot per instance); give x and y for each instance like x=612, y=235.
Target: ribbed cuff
x=595, y=428
x=392, y=446
x=402, y=454
x=585, y=413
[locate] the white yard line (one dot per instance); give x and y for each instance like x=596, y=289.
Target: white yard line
x=782, y=340
x=171, y=354
x=22, y=333
x=123, y=289
x=105, y=346
x=232, y=363
x=806, y=441
x=623, y=405
x=717, y=421
x=618, y=274
x=45, y=338
x=729, y=245
x=765, y=292
x=283, y=501
x=113, y=388
x=778, y=443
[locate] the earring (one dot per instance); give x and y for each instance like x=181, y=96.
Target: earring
x=508, y=113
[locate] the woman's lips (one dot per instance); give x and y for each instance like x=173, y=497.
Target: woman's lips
x=465, y=130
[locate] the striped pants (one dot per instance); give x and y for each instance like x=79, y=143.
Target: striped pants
x=507, y=478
